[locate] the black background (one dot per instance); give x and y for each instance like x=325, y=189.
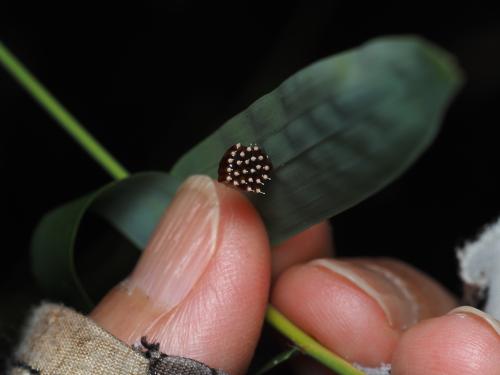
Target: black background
x=150, y=80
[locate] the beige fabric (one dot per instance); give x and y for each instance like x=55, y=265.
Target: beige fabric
x=57, y=340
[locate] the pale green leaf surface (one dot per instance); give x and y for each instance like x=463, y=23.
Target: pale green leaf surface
x=339, y=130
x=52, y=254
x=136, y=205
x=133, y=206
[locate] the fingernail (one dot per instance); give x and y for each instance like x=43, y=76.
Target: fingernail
x=488, y=319
x=182, y=246
x=388, y=290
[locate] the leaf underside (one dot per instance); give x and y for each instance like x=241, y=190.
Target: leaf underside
x=339, y=130
x=133, y=206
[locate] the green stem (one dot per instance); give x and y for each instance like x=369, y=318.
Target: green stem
x=117, y=171
x=308, y=344
x=61, y=115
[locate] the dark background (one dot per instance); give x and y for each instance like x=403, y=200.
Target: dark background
x=150, y=80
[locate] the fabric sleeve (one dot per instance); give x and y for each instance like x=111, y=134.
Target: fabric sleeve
x=57, y=341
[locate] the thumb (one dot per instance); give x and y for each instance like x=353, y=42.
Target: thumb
x=200, y=289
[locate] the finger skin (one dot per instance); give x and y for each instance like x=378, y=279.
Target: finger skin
x=219, y=322
x=344, y=317
x=335, y=312
x=451, y=344
x=431, y=297
x=314, y=242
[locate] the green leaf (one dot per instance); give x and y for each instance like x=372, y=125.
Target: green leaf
x=133, y=205
x=339, y=130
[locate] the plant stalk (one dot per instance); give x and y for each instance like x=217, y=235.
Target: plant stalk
x=61, y=115
x=308, y=345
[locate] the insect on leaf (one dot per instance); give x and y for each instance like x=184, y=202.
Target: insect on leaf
x=339, y=130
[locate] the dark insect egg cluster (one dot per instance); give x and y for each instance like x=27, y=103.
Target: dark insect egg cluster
x=246, y=168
